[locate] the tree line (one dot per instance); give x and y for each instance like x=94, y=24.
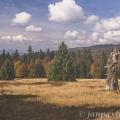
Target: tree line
x=60, y=65
x=29, y=65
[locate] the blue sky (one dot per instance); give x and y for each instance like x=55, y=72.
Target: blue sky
x=45, y=24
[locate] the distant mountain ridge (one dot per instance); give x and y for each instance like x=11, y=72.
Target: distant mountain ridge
x=11, y=51
x=97, y=49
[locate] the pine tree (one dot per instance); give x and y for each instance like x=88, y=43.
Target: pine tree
x=89, y=62
x=41, y=54
x=7, y=70
x=52, y=55
x=29, y=54
x=47, y=54
x=77, y=63
x=16, y=55
x=24, y=58
x=83, y=64
x=103, y=61
x=39, y=69
x=82, y=69
x=62, y=68
x=8, y=56
x=3, y=56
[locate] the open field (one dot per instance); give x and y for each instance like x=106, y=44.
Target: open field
x=37, y=99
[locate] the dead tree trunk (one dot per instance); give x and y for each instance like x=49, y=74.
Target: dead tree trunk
x=112, y=70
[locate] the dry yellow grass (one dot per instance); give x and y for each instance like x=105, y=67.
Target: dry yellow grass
x=37, y=99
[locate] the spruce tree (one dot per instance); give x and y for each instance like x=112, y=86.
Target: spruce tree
x=3, y=56
x=47, y=54
x=24, y=58
x=52, y=54
x=41, y=54
x=103, y=62
x=39, y=69
x=82, y=69
x=7, y=70
x=29, y=54
x=83, y=65
x=62, y=67
x=16, y=55
x=77, y=63
x=89, y=62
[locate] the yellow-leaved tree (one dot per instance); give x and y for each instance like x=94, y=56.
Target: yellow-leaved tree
x=95, y=69
x=22, y=71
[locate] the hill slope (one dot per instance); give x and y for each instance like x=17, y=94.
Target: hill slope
x=97, y=49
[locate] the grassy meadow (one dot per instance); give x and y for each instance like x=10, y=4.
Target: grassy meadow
x=37, y=99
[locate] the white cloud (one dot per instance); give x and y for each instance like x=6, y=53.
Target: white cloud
x=91, y=19
x=111, y=24
x=66, y=11
x=108, y=29
x=71, y=35
x=109, y=37
x=97, y=27
x=80, y=41
x=94, y=36
x=74, y=38
x=22, y=18
x=33, y=28
x=83, y=32
x=112, y=35
x=19, y=38
x=108, y=24
x=6, y=38
x=102, y=41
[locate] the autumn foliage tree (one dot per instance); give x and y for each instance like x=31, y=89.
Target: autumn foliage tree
x=22, y=71
x=95, y=69
x=39, y=69
x=46, y=64
x=16, y=66
x=31, y=69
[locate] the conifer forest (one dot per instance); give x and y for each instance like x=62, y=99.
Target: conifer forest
x=60, y=65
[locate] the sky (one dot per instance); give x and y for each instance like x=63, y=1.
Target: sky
x=45, y=24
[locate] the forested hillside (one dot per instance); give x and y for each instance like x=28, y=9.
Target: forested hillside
x=97, y=49
x=88, y=62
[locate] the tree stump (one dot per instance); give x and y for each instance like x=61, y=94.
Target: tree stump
x=112, y=70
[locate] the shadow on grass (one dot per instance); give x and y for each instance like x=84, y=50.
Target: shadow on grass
x=88, y=81
x=16, y=98
x=33, y=110
x=92, y=87
x=3, y=84
x=48, y=83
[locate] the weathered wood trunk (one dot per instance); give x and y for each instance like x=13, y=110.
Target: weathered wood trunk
x=112, y=70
